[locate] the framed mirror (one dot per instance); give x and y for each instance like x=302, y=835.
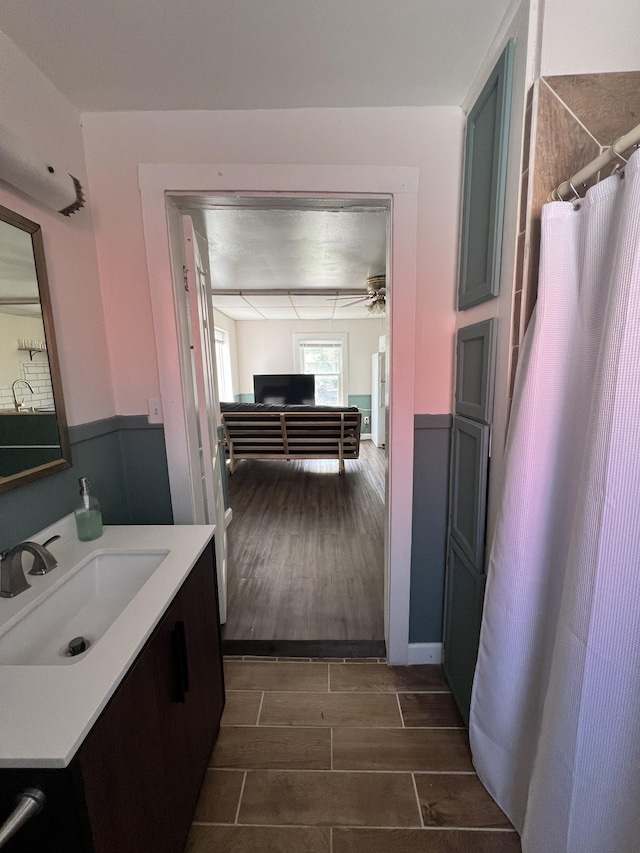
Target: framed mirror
x=34, y=440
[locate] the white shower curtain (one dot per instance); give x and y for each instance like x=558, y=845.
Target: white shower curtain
x=555, y=713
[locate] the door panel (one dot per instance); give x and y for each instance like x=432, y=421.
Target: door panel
x=475, y=370
x=485, y=175
x=465, y=596
x=469, y=468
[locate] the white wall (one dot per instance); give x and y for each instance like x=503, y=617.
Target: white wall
x=12, y=327
x=266, y=346
x=116, y=143
x=515, y=25
x=33, y=110
x=590, y=36
x=223, y=322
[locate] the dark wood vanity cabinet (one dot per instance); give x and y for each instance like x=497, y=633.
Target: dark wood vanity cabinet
x=134, y=783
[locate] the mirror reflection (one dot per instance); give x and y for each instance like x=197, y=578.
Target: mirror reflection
x=30, y=437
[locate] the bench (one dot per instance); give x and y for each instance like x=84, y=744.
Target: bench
x=256, y=431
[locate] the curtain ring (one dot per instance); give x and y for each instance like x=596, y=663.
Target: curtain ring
x=622, y=162
x=618, y=155
x=576, y=197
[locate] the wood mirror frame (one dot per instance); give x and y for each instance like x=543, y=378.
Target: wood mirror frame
x=28, y=475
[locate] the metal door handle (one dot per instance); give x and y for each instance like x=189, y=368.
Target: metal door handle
x=30, y=802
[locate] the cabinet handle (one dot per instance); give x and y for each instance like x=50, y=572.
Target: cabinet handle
x=178, y=657
x=29, y=803
x=180, y=629
x=180, y=661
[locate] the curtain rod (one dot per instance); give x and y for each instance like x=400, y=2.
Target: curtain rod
x=568, y=190
x=347, y=291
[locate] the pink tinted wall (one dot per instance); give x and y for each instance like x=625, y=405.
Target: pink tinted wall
x=115, y=143
x=34, y=111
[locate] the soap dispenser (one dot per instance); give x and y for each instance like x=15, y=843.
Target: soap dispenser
x=88, y=515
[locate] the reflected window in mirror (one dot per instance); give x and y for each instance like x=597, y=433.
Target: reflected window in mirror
x=33, y=432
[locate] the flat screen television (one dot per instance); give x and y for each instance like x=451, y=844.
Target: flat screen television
x=297, y=389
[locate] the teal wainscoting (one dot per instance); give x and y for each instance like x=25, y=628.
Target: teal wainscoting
x=432, y=442
x=125, y=459
x=363, y=402
x=146, y=476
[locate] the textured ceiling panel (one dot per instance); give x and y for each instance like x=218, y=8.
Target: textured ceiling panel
x=242, y=313
x=295, y=249
x=258, y=300
x=315, y=313
x=354, y=312
x=222, y=301
x=276, y=312
x=313, y=301
x=263, y=251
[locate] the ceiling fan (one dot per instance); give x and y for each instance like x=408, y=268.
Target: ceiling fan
x=375, y=295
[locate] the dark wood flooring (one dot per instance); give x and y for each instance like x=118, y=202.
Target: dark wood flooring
x=306, y=550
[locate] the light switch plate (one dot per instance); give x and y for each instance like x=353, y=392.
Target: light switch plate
x=154, y=405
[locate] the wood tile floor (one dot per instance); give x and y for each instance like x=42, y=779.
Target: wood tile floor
x=343, y=757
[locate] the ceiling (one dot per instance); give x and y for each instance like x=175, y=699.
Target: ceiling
x=18, y=283
x=291, y=264
x=255, y=54
x=253, y=306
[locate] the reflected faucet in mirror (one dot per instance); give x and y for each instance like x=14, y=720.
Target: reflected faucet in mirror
x=19, y=406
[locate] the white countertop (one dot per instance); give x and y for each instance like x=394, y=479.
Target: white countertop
x=47, y=711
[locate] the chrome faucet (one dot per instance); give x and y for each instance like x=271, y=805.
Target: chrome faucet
x=12, y=579
x=13, y=389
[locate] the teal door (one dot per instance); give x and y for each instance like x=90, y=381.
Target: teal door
x=464, y=597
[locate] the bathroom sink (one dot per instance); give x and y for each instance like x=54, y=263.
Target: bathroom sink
x=85, y=604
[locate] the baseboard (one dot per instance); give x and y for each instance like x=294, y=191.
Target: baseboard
x=425, y=653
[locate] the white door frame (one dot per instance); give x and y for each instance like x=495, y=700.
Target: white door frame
x=160, y=181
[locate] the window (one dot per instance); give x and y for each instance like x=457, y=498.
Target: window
x=223, y=366
x=324, y=356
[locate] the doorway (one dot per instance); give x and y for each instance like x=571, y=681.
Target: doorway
x=161, y=187
x=299, y=291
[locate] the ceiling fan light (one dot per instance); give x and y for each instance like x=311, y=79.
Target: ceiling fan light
x=377, y=307
x=375, y=283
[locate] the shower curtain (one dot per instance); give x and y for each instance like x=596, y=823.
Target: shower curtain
x=555, y=714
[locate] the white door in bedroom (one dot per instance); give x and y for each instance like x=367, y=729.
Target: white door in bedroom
x=203, y=409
